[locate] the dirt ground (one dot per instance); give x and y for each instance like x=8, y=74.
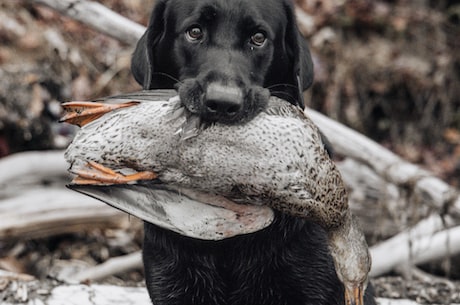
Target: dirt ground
x=390, y=69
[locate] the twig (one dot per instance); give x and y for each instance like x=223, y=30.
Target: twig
x=110, y=267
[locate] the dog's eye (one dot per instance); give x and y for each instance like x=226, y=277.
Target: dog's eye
x=194, y=33
x=258, y=39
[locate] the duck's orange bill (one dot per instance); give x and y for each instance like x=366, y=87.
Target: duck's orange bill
x=355, y=297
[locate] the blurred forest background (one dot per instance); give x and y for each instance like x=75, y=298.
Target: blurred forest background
x=389, y=69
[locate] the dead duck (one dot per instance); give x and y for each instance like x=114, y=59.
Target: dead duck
x=277, y=159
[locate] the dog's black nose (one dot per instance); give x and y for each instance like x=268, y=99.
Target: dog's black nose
x=222, y=102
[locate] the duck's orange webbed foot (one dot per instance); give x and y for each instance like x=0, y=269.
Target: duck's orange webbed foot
x=95, y=173
x=81, y=113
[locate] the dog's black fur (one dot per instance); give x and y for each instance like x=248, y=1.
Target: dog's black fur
x=225, y=57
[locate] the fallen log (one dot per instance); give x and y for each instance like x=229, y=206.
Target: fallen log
x=49, y=211
x=31, y=166
x=31, y=208
x=407, y=250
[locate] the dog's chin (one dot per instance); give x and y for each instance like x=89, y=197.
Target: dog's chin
x=192, y=96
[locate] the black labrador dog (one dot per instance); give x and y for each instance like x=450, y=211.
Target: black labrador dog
x=225, y=58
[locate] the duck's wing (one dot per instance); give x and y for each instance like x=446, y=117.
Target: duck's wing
x=184, y=211
x=81, y=113
x=142, y=96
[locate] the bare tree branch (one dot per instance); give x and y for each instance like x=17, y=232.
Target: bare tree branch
x=98, y=17
x=110, y=267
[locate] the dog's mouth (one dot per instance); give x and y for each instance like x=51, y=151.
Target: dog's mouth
x=184, y=211
x=223, y=103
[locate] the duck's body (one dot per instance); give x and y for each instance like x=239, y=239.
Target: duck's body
x=277, y=159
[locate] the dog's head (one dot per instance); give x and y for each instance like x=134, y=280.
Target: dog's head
x=225, y=57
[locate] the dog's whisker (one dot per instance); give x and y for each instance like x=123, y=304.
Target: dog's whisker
x=285, y=95
x=281, y=85
x=168, y=76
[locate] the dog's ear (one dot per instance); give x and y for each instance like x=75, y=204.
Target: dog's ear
x=142, y=64
x=297, y=49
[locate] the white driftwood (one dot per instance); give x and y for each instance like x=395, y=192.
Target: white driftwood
x=91, y=295
x=37, y=164
x=110, y=267
x=44, y=212
x=386, y=164
x=99, y=17
x=405, y=249
x=31, y=210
